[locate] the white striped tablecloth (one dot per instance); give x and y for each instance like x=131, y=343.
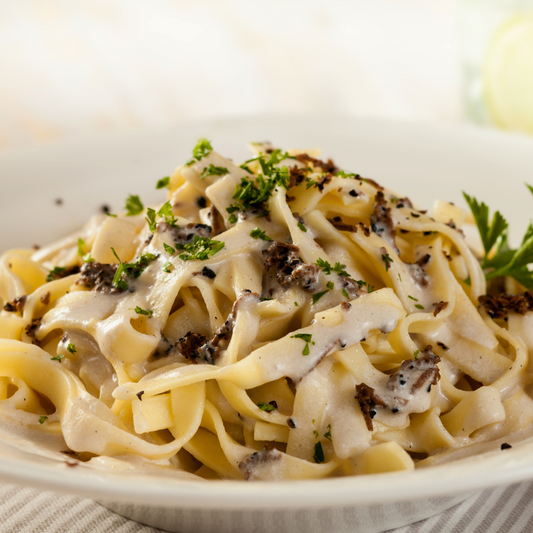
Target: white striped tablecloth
x=24, y=510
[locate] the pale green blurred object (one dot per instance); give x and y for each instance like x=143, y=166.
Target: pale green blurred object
x=497, y=62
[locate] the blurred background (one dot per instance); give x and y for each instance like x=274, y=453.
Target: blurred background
x=78, y=68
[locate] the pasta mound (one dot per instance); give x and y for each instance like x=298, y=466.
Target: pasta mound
x=281, y=319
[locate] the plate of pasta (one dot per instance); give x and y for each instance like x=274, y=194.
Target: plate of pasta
x=329, y=321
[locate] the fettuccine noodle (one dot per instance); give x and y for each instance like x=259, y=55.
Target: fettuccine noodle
x=282, y=319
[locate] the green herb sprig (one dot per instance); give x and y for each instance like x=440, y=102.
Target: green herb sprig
x=201, y=248
x=499, y=259
x=134, y=206
x=307, y=337
x=202, y=149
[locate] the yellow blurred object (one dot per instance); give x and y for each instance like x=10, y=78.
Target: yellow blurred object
x=508, y=74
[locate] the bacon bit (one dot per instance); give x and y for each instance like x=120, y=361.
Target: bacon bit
x=404, y=202
x=32, y=327
x=16, y=305
x=45, y=299
x=366, y=231
x=268, y=454
x=328, y=166
x=188, y=346
x=296, y=175
x=289, y=266
x=442, y=345
x=499, y=307
x=426, y=364
x=440, y=307
x=337, y=223
x=368, y=400
x=99, y=277
x=324, y=180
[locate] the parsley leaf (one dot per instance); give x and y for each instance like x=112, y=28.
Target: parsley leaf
x=71, y=347
x=167, y=266
x=416, y=353
x=212, y=170
x=200, y=248
x=42, y=419
x=169, y=248
x=202, y=149
x=327, y=435
x=130, y=270
x=387, y=259
x=163, y=182
x=307, y=337
x=318, y=456
x=56, y=271
x=58, y=357
x=345, y=293
x=302, y=227
x=318, y=295
x=266, y=407
x=330, y=285
x=504, y=261
x=337, y=268
x=81, y=244
x=258, y=234
x=88, y=258
x=141, y=311
x=134, y=206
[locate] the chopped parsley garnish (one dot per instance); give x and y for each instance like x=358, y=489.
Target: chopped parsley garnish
x=412, y=298
x=415, y=354
x=387, y=259
x=202, y=149
x=167, y=266
x=134, y=206
x=263, y=299
x=56, y=271
x=258, y=234
x=266, y=407
x=88, y=258
x=399, y=277
x=141, y=311
x=163, y=182
x=256, y=194
x=318, y=456
x=165, y=212
x=370, y=288
x=58, y=357
x=327, y=435
x=168, y=248
x=302, y=227
x=81, y=244
x=71, y=347
x=419, y=306
x=504, y=261
x=318, y=295
x=330, y=285
x=305, y=337
x=42, y=419
x=200, y=248
x=212, y=170
x=345, y=293
x=338, y=268
x=296, y=304
x=344, y=174
x=111, y=215
x=130, y=270
x=315, y=433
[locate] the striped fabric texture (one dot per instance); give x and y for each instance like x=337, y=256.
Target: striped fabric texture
x=24, y=510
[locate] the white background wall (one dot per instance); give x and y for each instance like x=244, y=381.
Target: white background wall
x=76, y=67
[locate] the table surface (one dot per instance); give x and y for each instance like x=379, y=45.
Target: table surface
x=25, y=510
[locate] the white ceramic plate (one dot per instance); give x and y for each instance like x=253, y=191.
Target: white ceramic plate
x=420, y=161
